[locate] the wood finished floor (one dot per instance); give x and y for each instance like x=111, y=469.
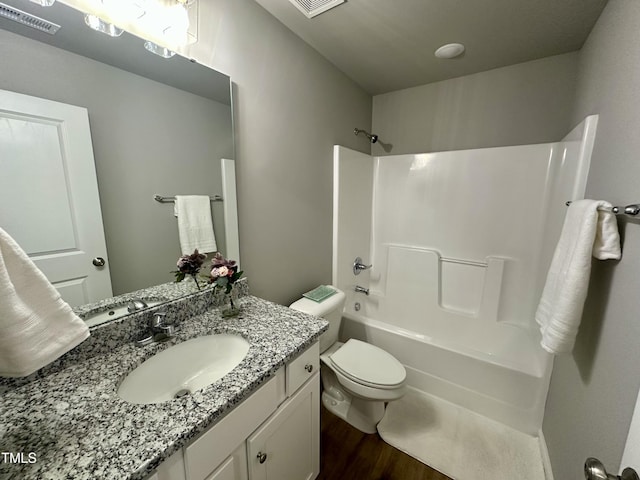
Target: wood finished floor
x=349, y=454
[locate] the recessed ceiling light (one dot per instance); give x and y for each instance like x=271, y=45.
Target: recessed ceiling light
x=450, y=50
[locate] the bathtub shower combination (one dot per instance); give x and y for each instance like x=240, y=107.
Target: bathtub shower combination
x=460, y=244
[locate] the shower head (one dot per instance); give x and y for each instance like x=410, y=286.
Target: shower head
x=372, y=137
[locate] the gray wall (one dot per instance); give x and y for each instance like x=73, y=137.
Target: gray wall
x=520, y=104
x=147, y=138
x=292, y=106
x=593, y=391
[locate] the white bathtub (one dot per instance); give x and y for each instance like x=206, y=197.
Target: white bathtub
x=460, y=244
x=490, y=384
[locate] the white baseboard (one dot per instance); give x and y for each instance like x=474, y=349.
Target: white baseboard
x=544, y=453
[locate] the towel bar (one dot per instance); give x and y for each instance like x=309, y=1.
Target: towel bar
x=633, y=209
x=161, y=199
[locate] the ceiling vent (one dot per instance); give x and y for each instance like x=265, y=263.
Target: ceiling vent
x=27, y=19
x=311, y=8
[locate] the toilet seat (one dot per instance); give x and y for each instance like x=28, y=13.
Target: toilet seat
x=368, y=365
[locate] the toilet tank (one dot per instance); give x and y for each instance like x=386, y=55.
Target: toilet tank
x=330, y=309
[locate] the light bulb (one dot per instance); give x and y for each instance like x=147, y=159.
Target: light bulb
x=178, y=24
x=125, y=8
x=44, y=3
x=158, y=50
x=99, y=25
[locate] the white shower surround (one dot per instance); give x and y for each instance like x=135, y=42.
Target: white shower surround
x=460, y=244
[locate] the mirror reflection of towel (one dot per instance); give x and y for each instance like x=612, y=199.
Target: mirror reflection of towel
x=36, y=325
x=195, y=225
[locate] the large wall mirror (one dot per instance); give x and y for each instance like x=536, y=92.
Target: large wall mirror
x=158, y=126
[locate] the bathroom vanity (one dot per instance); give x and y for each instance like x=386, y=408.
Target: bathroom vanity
x=260, y=421
x=274, y=434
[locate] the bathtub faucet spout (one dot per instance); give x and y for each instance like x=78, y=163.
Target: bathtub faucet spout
x=360, y=289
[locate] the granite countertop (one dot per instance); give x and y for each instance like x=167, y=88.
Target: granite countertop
x=71, y=418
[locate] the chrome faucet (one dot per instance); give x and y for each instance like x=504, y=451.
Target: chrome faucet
x=358, y=266
x=159, y=331
x=360, y=289
x=136, y=304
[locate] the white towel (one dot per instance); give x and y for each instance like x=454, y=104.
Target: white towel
x=36, y=325
x=590, y=229
x=195, y=226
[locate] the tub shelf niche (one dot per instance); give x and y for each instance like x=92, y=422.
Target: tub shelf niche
x=451, y=289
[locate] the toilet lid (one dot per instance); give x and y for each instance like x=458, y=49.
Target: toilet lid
x=368, y=364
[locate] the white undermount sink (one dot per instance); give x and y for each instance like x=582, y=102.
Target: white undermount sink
x=184, y=368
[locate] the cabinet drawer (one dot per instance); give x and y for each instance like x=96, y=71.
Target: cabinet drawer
x=211, y=448
x=303, y=368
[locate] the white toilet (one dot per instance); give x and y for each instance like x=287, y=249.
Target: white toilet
x=358, y=378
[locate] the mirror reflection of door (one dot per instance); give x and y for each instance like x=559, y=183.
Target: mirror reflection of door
x=49, y=199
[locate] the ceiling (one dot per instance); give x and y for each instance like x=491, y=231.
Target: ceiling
x=387, y=45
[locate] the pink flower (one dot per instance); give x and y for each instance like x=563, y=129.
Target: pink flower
x=190, y=264
x=219, y=261
x=224, y=273
x=221, y=272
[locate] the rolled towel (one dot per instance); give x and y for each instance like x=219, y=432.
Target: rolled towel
x=195, y=226
x=36, y=325
x=590, y=229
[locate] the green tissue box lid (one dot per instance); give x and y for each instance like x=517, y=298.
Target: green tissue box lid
x=320, y=293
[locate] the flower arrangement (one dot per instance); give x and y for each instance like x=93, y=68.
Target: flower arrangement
x=189, y=265
x=224, y=273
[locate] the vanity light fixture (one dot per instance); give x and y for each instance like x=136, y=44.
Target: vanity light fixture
x=178, y=23
x=169, y=24
x=131, y=9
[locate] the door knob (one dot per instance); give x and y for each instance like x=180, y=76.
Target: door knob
x=594, y=470
x=99, y=262
x=629, y=474
x=308, y=367
x=262, y=457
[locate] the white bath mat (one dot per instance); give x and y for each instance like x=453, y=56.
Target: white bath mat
x=461, y=444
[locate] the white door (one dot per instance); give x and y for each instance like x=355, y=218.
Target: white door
x=49, y=199
x=630, y=464
x=631, y=455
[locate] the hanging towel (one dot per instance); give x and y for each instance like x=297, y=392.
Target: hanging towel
x=195, y=226
x=589, y=229
x=36, y=325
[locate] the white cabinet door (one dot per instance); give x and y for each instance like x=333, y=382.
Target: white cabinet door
x=234, y=467
x=287, y=445
x=49, y=199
